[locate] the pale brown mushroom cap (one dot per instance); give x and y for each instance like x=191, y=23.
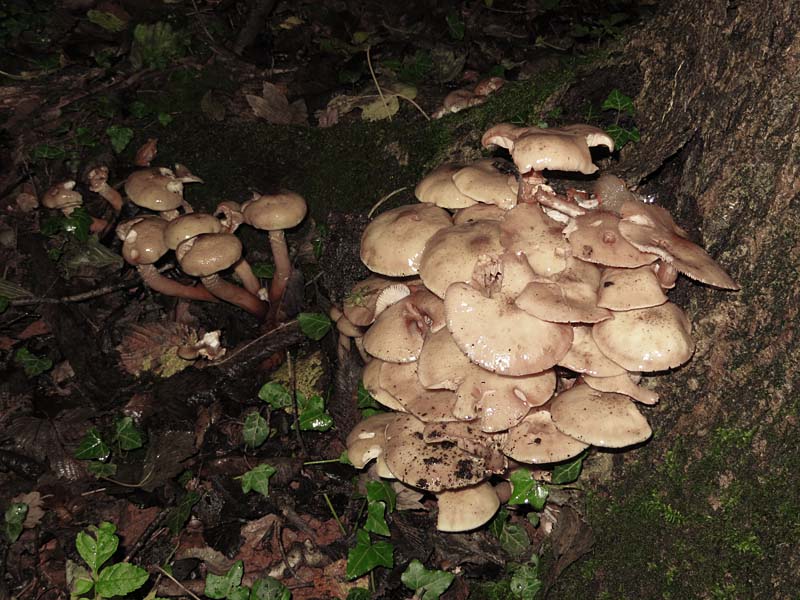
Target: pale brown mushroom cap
x=629, y=289
x=368, y=439
x=438, y=188
x=441, y=363
x=208, y=253
x=595, y=237
x=536, y=440
x=359, y=305
x=156, y=188
x=401, y=381
x=599, y=418
x=371, y=377
x=478, y=212
x=189, y=225
x=622, y=384
x=509, y=273
x=142, y=239
x=611, y=193
x=391, y=295
x=466, y=508
x=469, y=438
x=527, y=230
x=647, y=339
x=432, y=467
x=482, y=181
x=273, y=212
x=500, y=337
x=451, y=253
x=585, y=356
x=63, y=196
x=393, y=242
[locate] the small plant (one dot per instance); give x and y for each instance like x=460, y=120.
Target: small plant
x=622, y=106
x=314, y=325
x=257, y=479
x=96, y=549
x=156, y=46
x=311, y=410
x=32, y=364
x=366, y=555
x=14, y=518
x=94, y=448
x=229, y=586
x=427, y=584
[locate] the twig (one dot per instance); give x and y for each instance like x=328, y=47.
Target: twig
x=154, y=525
x=178, y=583
x=335, y=516
x=384, y=199
x=279, y=533
x=418, y=107
x=295, y=406
x=377, y=85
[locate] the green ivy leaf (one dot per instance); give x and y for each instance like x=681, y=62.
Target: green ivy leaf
x=365, y=556
x=48, y=152
x=514, y=540
x=32, y=365
x=257, y=479
x=382, y=491
x=455, y=25
x=255, y=430
x=126, y=434
x=526, y=490
x=106, y=20
x=98, y=549
x=177, y=517
x=568, y=472
x=359, y=594
x=525, y=582
x=344, y=459
x=240, y=592
x=269, y=588
x=619, y=102
x=427, y=584
x=221, y=586
x=92, y=446
x=101, y=469
x=120, y=137
x=365, y=399
x=139, y=109
x=14, y=518
x=312, y=413
x=376, y=521
x=275, y=395
x=120, y=579
x=164, y=119
x=314, y=325
x=263, y=270
x=622, y=136
x=498, y=522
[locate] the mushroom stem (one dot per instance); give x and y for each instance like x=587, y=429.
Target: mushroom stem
x=234, y=294
x=249, y=280
x=528, y=186
x=164, y=285
x=283, y=269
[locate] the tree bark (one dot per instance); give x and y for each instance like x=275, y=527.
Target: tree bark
x=710, y=507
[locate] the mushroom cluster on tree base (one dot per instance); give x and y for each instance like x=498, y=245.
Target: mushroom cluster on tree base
x=529, y=319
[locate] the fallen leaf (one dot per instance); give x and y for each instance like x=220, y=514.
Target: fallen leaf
x=274, y=107
x=35, y=329
x=35, y=510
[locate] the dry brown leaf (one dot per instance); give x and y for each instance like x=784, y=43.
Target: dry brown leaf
x=274, y=107
x=35, y=510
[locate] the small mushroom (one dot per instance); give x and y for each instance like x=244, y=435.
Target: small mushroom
x=537, y=440
x=595, y=237
x=629, y=289
x=98, y=183
x=158, y=189
x=584, y=356
x=484, y=182
x=438, y=188
x=367, y=440
x=402, y=382
x=525, y=229
x=466, y=508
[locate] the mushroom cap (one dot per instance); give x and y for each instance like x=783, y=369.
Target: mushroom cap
x=622, y=384
x=438, y=188
x=441, y=363
x=393, y=242
x=584, y=356
x=628, y=289
x=595, y=237
x=156, y=188
x=371, y=377
x=63, y=196
x=189, y=225
x=451, y=253
x=271, y=212
x=466, y=508
x=401, y=381
x=367, y=439
x=484, y=182
x=432, y=467
x=525, y=229
x=500, y=337
x=536, y=440
x=478, y=212
x=143, y=239
x=611, y=192
x=599, y=418
x=646, y=339
x=399, y=331
x=470, y=439
x=359, y=305
x=208, y=253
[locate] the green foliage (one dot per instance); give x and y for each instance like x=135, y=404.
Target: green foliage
x=106, y=20
x=126, y=436
x=179, y=514
x=32, y=365
x=14, y=518
x=622, y=105
x=382, y=491
x=263, y=270
x=311, y=410
x=455, y=25
x=224, y=586
x=156, y=46
x=376, y=521
x=76, y=225
x=569, y=471
x=229, y=586
x=526, y=490
x=120, y=137
x=95, y=448
x=525, y=582
x=427, y=584
x=101, y=469
x=117, y=579
x=255, y=431
x=257, y=479
x=4, y=304
x=366, y=403
x=314, y=325
x=514, y=540
x=275, y=395
x=92, y=446
x=365, y=556
x=23, y=16
x=359, y=594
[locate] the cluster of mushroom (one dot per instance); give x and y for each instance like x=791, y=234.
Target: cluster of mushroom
x=514, y=331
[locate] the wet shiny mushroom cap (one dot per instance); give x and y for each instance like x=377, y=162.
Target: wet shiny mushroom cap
x=63, y=196
x=156, y=189
x=525, y=229
x=584, y=356
x=272, y=212
x=647, y=339
x=484, y=182
x=401, y=381
x=478, y=212
x=599, y=418
x=595, y=237
x=466, y=508
x=208, y=253
x=438, y=188
x=536, y=440
x=441, y=363
x=189, y=225
x=367, y=439
x=371, y=377
x=628, y=289
x=393, y=242
x=622, y=384
x=431, y=467
x=143, y=239
x=359, y=305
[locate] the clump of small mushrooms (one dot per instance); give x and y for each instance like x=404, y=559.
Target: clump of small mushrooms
x=509, y=324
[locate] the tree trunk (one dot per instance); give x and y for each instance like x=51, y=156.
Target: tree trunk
x=710, y=508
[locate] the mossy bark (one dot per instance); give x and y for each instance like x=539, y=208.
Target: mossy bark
x=710, y=508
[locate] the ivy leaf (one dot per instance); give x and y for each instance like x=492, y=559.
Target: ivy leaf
x=164, y=119
x=126, y=434
x=455, y=25
x=101, y=469
x=622, y=136
x=92, y=446
x=255, y=430
x=32, y=365
x=568, y=472
x=120, y=137
x=97, y=550
x=14, y=518
x=365, y=556
x=257, y=479
x=359, y=594
x=382, y=491
x=312, y=413
x=48, y=152
x=344, y=459
x=497, y=523
x=120, y=579
x=428, y=584
x=269, y=588
x=514, y=540
x=526, y=490
x=263, y=270
x=221, y=586
x=619, y=102
x=365, y=399
x=106, y=20
x=314, y=325
x=77, y=224
x=239, y=592
x=275, y=395
x=376, y=521
x=177, y=517
x=525, y=582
